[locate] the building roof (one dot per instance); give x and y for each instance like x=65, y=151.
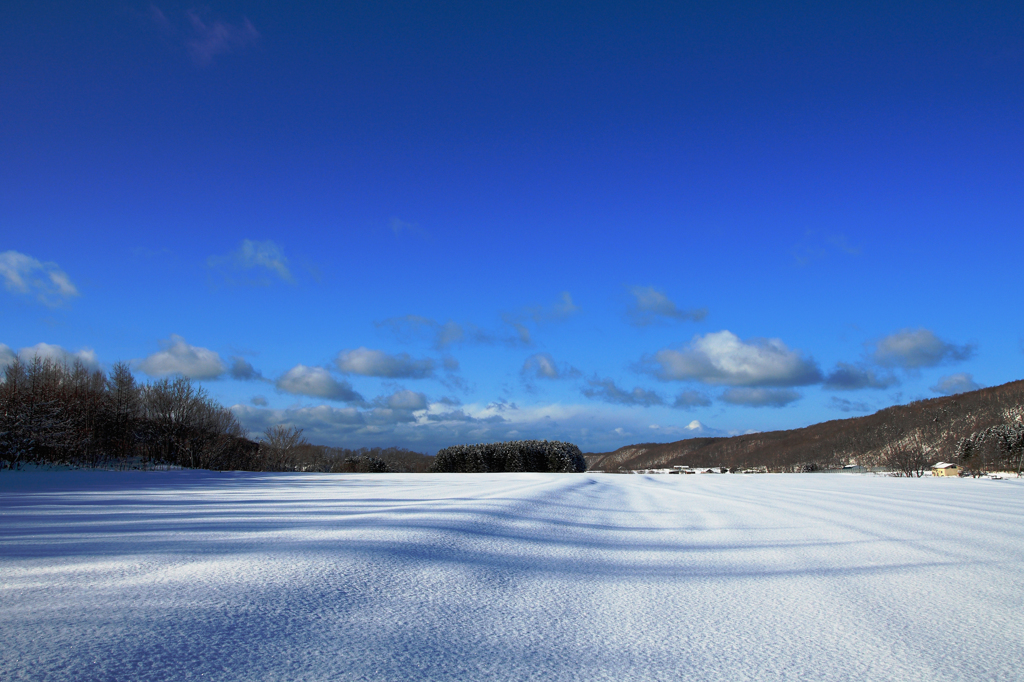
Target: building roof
x=943, y=465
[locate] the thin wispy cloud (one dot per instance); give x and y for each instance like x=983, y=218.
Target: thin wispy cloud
x=850, y=377
x=408, y=328
x=690, y=399
x=43, y=281
x=212, y=37
x=401, y=227
x=760, y=397
x=650, y=306
x=844, y=405
x=203, y=37
x=544, y=366
x=815, y=245
x=538, y=315
x=607, y=391
x=253, y=262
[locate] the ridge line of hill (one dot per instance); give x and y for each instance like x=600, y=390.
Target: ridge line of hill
x=928, y=429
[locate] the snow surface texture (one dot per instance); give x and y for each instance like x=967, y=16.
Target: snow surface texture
x=237, y=576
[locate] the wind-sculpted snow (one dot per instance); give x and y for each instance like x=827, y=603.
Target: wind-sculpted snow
x=553, y=456
x=219, y=576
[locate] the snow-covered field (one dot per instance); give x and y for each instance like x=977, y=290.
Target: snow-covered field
x=229, y=576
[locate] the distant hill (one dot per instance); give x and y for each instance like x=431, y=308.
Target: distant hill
x=929, y=427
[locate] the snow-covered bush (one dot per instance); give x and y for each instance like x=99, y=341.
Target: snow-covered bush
x=516, y=455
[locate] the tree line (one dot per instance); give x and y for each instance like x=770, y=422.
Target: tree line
x=55, y=413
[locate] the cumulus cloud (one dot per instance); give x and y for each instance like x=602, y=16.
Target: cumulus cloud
x=952, y=384
x=606, y=390
x=590, y=426
x=243, y=371
x=691, y=399
x=256, y=263
x=845, y=405
x=721, y=358
x=917, y=348
x=7, y=356
x=850, y=377
x=760, y=397
x=324, y=424
x=316, y=382
x=259, y=401
x=178, y=357
x=49, y=351
x=46, y=282
x=376, y=363
x=650, y=306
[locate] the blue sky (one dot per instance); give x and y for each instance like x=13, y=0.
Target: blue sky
x=419, y=224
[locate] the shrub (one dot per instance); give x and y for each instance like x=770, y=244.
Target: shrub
x=517, y=455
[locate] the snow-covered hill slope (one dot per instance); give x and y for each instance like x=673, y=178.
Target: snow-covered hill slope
x=214, y=576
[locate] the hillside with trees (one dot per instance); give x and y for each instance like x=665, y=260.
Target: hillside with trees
x=981, y=430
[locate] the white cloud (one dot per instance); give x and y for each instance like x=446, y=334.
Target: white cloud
x=917, y=348
x=376, y=363
x=7, y=356
x=721, y=358
x=47, y=351
x=441, y=424
x=316, y=382
x=23, y=274
x=178, y=357
x=760, y=397
x=960, y=382
x=650, y=305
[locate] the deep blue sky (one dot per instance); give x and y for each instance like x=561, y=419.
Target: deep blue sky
x=420, y=223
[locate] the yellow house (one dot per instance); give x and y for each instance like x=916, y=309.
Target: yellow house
x=945, y=469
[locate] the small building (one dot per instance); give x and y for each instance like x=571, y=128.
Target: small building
x=945, y=469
